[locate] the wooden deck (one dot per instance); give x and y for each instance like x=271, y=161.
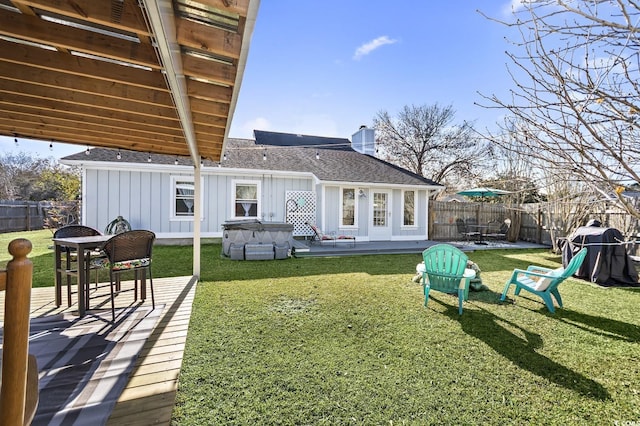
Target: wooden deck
x=150, y=394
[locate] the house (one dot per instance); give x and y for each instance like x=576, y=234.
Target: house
x=278, y=177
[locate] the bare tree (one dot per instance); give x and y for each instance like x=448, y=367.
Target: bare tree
x=576, y=100
x=569, y=205
x=425, y=140
x=514, y=171
x=24, y=177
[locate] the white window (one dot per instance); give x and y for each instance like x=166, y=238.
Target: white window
x=182, y=197
x=409, y=208
x=246, y=199
x=348, y=207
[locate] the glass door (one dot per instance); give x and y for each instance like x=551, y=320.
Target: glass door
x=380, y=229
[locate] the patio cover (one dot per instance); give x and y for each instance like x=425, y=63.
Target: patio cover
x=154, y=76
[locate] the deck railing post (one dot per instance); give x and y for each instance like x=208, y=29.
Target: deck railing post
x=16, y=331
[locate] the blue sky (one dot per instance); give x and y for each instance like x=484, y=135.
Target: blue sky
x=326, y=67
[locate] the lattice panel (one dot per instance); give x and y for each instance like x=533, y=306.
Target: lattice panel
x=301, y=208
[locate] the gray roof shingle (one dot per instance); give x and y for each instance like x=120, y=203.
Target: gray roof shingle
x=336, y=162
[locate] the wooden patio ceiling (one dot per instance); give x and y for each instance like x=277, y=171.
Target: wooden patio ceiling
x=156, y=76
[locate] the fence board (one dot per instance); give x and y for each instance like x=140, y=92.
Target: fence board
x=19, y=215
x=537, y=223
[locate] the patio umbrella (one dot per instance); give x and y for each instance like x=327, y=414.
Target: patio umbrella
x=483, y=192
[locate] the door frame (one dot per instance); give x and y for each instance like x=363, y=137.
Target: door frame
x=377, y=232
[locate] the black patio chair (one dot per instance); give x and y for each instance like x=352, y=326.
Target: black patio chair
x=464, y=231
x=497, y=230
x=130, y=251
x=70, y=255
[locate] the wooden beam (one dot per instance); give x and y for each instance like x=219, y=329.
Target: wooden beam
x=209, y=39
x=81, y=84
x=89, y=127
x=212, y=71
x=79, y=112
x=238, y=7
x=36, y=30
x=15, y=53
x=21, y=127
x=83, y=118
x=209, y=107
x=209, y=121
x=68, y=96
x=209, y=92
x=75, y=138
x=124, y=15
x=23, y=8
x=207, y=131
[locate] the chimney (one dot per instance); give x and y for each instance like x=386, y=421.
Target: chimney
x=364, y=141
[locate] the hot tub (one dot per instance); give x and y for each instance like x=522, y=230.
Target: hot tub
x=253, y=239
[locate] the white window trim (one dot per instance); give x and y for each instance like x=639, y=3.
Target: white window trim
x=258, y=184
x=415, y=209
x=172, y=198
x=355, y=208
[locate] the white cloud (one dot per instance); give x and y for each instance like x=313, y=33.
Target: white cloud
x=372, y=45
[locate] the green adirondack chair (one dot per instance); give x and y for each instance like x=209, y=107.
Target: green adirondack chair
x=445, y=272
x=544, y=282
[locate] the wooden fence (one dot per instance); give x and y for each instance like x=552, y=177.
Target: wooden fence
x=18, y=216
x=21, y=215
x=534, y=222
x=444, y=214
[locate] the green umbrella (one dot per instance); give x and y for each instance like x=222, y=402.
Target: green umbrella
x=483, y=192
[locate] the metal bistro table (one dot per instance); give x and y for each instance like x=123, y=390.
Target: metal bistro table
x=82, y=246
x=480, y=229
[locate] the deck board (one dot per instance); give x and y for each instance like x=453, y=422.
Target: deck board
x=150, y=394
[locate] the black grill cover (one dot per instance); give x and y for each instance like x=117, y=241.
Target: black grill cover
x=607, y=262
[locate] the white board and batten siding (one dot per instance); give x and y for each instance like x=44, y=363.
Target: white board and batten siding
x=329, y=212
x=145, y=199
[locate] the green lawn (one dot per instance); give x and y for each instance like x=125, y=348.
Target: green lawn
x=348, y=341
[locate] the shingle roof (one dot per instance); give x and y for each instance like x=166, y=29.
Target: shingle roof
x=336, y=162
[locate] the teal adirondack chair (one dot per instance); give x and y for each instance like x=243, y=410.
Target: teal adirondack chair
x=445, y=272
x=544, y=282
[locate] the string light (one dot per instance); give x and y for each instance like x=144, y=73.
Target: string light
x=224, y=157
x=15, y=139
x=51, y=146
x=149, y=158
x=118, y=155
x=176, y=162
x=264, y=155
x=317, y=155
x=87, y=152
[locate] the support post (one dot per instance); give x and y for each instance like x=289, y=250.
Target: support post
x=16, y=333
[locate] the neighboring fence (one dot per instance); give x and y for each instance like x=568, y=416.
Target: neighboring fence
x=533, y=222
x=21, y=216
x=18, y=216
x=444, y=215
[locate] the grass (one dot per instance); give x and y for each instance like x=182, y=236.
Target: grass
x=348, y=341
